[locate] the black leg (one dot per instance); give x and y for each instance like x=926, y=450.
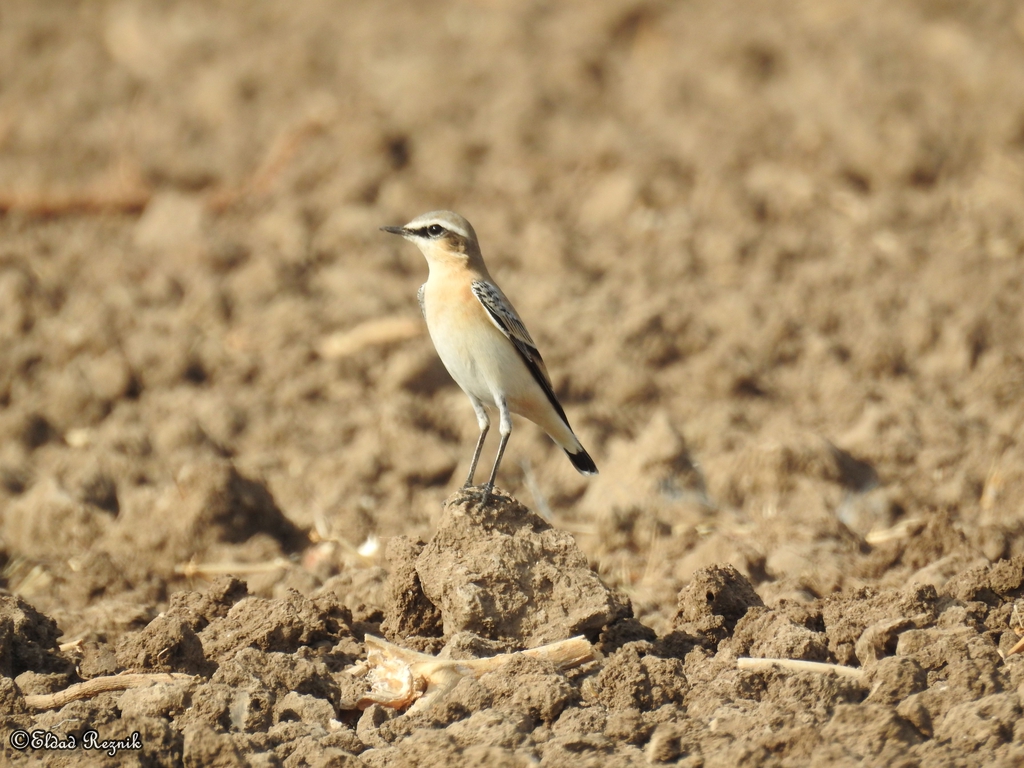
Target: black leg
x=484, y=421
x=506, y=432
x=476, y=455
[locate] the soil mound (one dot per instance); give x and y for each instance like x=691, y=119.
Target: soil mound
x=907, y=675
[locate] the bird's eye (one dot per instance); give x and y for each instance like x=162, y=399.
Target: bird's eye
x=435, y=230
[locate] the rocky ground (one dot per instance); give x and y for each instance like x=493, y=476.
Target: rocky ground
x=773, y=255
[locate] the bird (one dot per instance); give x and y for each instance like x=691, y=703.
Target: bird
x=482, y=341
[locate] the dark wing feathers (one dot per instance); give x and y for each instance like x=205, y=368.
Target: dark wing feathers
x=504, y=316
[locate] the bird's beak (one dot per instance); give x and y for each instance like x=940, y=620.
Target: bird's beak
x=395, y=230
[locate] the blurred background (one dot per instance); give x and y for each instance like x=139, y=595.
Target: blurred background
x=773, y=254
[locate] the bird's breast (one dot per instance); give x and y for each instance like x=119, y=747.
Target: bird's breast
x=461, y=332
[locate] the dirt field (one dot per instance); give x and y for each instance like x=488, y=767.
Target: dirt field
x=773, y=254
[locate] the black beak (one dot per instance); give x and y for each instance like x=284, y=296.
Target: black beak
x=394, y=230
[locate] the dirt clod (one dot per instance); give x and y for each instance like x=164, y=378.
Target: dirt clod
x=714, y=602
x=168, y=644
x=407, y=612
x=503, y=573
x=28, y=639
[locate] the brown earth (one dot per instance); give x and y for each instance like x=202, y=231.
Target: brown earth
x=773, y=254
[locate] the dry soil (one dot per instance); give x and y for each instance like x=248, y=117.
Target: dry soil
x=773, y=254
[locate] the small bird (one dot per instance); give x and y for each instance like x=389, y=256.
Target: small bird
x=481, y=340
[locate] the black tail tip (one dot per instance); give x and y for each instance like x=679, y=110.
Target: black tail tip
x=583, y=463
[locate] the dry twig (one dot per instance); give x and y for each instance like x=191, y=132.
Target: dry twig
x=283, y=150
x=901, y=530
x=1018, y=648
x=398, y=676
x=125, y=190
x=99, y=685
x=372, y=333
x=192, y=569
x=799, y=665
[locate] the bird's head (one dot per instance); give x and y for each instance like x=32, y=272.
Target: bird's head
x=442, y=236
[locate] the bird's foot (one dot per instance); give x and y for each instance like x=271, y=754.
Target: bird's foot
x=483, y=492
x=485, y=499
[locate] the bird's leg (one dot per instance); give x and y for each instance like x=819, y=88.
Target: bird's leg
x=505, y=428
x=484, y=421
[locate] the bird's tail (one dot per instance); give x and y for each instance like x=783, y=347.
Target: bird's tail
x=582, y=461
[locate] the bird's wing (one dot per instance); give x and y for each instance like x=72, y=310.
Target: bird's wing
x=504, y=317
x=419, y=297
